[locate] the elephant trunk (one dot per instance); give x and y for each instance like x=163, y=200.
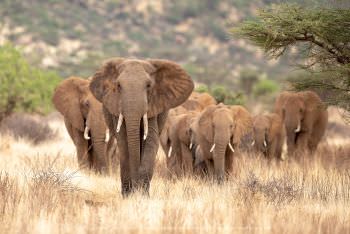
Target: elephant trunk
x=293, y=128
x=221, y=142
x=133, y=139
x=98, y=137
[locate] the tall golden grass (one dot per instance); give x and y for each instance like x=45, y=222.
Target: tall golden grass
x=43, y=191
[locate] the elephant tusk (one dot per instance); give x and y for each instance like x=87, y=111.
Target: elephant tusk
x=231, y=147
x=298, y=128
x=120, y=122
x=265, y=143
x=191, y=145
x=86, y=133
x=107, y=135
x=169, y=152
x=212, y=148
x=145, y=126
x=253, y=143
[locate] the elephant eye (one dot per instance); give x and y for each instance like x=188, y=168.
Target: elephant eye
x=148, y=85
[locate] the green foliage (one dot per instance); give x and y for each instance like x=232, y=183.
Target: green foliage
x=323, y=36
x=202, y=89
x=23, y=88
x=247, y=80
x=223, y=95
x=265, y=87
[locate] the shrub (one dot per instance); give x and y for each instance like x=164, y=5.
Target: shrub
x=202, y=89
x=221, y=94
x=23, y=88
x=27, y=127
x=265, y=87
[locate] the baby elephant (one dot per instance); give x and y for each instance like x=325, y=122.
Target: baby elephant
x=179, y=158
x=269, y=135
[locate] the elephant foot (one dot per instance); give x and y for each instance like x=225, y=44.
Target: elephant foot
x=126, y=189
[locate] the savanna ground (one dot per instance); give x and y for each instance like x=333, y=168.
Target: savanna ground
x=43, y=191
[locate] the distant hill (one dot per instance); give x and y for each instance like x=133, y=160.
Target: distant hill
x=74, y=36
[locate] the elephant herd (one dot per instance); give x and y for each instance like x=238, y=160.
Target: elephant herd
x=129, y=106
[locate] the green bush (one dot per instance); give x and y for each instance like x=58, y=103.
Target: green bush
x=222, y=94
x=23, y=88
x=265, y=87
x=202, y=89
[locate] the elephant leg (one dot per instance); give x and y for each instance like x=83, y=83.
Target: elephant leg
x=278, y=149
x=149, y=152
x=317, y=133
x=210, y=166
x=187, y=160
x=125, y=176
x=271, y=150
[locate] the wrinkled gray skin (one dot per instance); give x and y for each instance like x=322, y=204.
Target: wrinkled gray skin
x=137, y=94
x=83, y=113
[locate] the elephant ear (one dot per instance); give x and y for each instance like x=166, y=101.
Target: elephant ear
x=172, y=86
x=243, y=123
x=105, y=74
x=205, y=121
x=67, y=100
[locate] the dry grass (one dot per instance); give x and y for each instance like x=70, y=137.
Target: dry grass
x=42, y=191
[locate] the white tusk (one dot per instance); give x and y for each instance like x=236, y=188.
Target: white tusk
x=86, y=133
x=107, y=135
x=120, y=122
x=191, y=145
x=265, y=143
x=212, y=148
x=298, y=128
x=253, y=143
x=145, y=126
x=231, y=147
x=169, y=152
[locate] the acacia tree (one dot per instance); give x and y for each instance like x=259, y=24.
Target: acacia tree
x=323, y=38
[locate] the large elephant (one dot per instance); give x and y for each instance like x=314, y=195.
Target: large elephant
x=136, y=96
x=268, y=135
x=305, y=119
x=180, y=158
x=218, y=131
x=85, y=123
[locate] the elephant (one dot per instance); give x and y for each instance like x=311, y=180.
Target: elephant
x=218, y=131
x=179, y=157
x=136, y=96
x=196, y=102
x=84, y=120
x=268, y=135
x=305, y=119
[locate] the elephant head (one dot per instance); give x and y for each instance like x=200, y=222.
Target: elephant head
x=220, y=129
x=83, y=114
x=135, y=91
